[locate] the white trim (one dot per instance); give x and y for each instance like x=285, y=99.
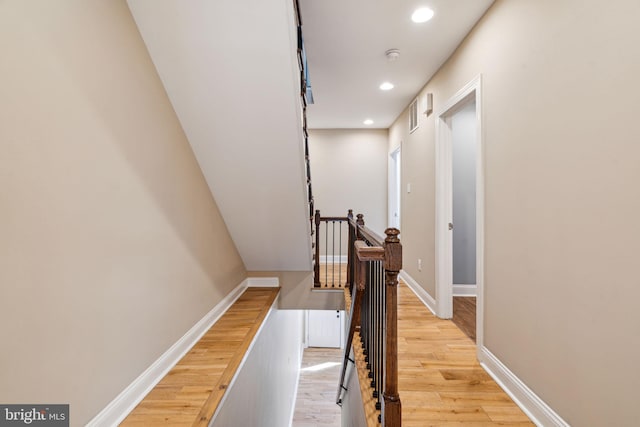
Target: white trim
x=343, y=327
x=479, y=217
x=465, y=290
x=295, y=391
x=327, y=290
x=535, y=408
x=126, y=401
x=306, y=328
x=338, y=259
x=443, y=264
x=263, y=282
x=244, y=360
x=394, y=185
x=444, y=274
x=422, y=295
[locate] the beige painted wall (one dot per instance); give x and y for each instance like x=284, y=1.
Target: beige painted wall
x=112, y=246
x=562, y=197
x=349, y=171
x=296, y=291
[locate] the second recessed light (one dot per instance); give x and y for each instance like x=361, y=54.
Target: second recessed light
x=422, y=15
x=386, y=86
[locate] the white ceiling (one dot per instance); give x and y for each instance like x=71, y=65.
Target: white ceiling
x=230, y=70
x=346, y=41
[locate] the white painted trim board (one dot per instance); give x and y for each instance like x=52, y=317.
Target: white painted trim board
x=465, y=290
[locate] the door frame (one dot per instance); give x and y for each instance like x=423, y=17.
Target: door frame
x=394, y=166
x=444, y=214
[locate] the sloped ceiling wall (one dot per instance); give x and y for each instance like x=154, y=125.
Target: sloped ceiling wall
x=230, y=70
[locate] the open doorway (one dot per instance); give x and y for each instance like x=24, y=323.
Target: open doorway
x=463, y=189
x=459, y=223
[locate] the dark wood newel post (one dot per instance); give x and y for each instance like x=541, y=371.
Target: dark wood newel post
x=356, y=232
x=391, y=409
x=316, y=264
x=360, y=222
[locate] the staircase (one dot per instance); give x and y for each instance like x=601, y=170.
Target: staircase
x=237, y=94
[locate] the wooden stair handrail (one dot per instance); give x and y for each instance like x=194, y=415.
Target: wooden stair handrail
x=333, y=218
x=365, y=232
x=365, y=252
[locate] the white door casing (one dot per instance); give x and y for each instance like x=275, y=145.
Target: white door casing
x=394, y=188
x=444, y=215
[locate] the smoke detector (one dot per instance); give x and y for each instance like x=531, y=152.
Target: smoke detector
x=392, y=54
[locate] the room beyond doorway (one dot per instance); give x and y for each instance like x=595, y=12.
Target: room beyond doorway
x=464, y=315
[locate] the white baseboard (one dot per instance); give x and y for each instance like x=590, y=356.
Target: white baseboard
x=535, y=408
x=465, y=290
x=263, y=282
x=338, y=259
x=126, y=401
x=419, y=291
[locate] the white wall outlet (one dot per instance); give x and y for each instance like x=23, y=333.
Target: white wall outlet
x=419, y=264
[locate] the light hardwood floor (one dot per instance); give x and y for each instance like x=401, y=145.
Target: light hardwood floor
x=315, y=402
x=190, y=393
x=464, y=315
x=333, y=276
x=440, y=380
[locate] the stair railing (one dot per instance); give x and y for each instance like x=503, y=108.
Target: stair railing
x=330, y=256
x=373, y=267
x=305, y=96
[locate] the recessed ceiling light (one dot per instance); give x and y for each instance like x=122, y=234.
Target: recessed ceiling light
x=368, y=122
x=422, y=14
x=386, y=86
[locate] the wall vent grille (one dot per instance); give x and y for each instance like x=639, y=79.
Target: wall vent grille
x=413, y=115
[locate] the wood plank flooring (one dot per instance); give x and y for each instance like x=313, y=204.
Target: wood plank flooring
x=190, y=393
x=464, y=315
x=315, y=402
x=440, y=380
x=333, y=276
